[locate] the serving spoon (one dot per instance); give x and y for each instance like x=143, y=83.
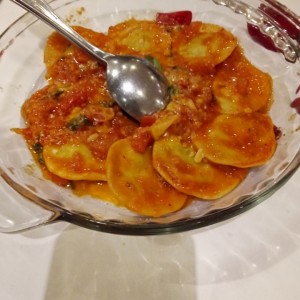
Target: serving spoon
x=137, y=86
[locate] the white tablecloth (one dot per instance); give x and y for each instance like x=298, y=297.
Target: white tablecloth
x=253, y=256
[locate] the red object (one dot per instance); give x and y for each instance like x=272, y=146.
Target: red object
x=183, y=17
x=261, y=38
x=141, y=140
x=296, y=104
x=147, y=121
x=282, y=17
x=277, y=132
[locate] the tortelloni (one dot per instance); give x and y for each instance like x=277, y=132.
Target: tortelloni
x=202, y=146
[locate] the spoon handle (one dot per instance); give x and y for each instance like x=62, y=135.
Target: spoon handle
x=43, y=11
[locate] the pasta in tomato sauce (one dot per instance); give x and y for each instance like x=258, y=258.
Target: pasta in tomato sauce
x=215, y=128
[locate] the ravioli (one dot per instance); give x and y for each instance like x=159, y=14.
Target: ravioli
x=137, y=185
x=175, y=162
x=162, y=124
x=67, y=63
x=202, y=44
x=240, y=87
x=240, y=140
x=96, y=189
x=73, y=162
x=142, y=37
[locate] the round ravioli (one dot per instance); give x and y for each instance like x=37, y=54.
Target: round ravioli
x=73, y=162
x=97, y=189
x=68, y=63
x=144, y=37
x=239, y=87
x=176, y=164
x=161, y=125
x=244, y=140
x=202, y=44
x=137, y=185
x=55, y=48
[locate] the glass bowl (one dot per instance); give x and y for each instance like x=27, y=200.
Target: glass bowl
x=22, y=72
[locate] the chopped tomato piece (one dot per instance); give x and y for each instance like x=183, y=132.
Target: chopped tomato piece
x=147, y=121
x=141, y=140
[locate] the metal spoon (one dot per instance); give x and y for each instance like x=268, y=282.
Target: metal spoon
x=134, y=83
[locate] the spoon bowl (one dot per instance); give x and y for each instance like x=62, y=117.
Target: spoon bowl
x=136, y=85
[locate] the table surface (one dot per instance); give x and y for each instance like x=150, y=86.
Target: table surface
x=253, y=256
